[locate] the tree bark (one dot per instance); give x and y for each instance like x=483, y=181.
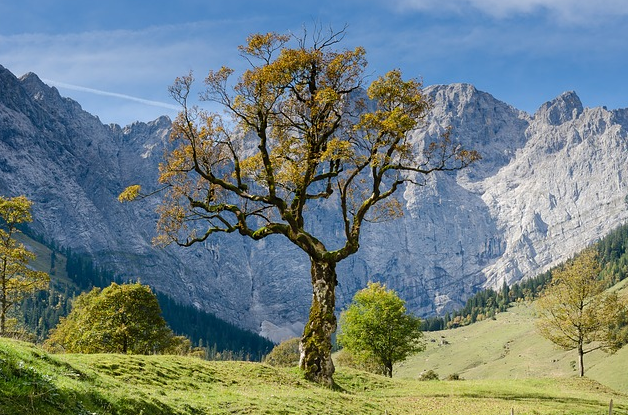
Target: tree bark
x=315, y=347
x=388, y=369
x=581, y=359
x=3, y=299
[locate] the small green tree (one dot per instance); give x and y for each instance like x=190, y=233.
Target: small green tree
x=575, y=312
x=118, y=319
x=17, y=280
x=376, y=326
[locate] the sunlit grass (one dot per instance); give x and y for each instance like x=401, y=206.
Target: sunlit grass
x=34, y=382
x=510, y=348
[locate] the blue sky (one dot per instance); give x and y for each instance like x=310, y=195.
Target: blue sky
x=118, y=57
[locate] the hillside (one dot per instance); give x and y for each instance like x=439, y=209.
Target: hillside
x=509, y=347
x=34, y=382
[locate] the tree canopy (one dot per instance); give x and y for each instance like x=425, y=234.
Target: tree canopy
x=122, y=318
x=576, y=313
x=301, y=125
x=17, y=279
x=377, y=327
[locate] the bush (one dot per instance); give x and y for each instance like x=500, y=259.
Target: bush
x=429, y=375
x=454, y=376
x=285, y=354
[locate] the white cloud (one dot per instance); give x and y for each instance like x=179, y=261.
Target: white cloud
x=581, y=12
x=109, y=94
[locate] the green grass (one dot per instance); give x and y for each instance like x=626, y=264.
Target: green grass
x=34, y=382
x=505, y=364
x=510, y=348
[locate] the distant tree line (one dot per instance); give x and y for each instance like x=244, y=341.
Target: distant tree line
x=613, y=256
x=223, y=340
x=41, y=313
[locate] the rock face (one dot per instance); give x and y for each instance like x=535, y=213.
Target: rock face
x=547, y=186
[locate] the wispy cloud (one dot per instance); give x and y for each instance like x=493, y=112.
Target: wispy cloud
x=110, y=94
x=133, y=65
x=581, y=12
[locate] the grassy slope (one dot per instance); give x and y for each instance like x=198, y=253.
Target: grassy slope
x=33, y=382
x=42, y=258
x=509, y=348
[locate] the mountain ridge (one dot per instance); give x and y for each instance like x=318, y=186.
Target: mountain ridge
x=549, y=184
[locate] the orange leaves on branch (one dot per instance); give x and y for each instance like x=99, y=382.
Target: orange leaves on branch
x=337, y=149
x=15, y=210
x=263, y=45
x=17, y=278
x=300, y=133
x=130, y=193
x=391, y=91
x=400, y=104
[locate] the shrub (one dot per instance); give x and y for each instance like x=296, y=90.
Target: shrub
x=429, y=375
x=122, y=318
x=285, y=354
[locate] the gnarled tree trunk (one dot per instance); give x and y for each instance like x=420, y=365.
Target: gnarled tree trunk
x=315, y=345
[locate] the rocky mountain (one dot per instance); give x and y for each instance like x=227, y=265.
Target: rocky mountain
x=548, y=185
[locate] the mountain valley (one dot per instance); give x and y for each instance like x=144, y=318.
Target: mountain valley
x=548, y=185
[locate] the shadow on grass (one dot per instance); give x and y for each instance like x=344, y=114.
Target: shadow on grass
x=27, y=389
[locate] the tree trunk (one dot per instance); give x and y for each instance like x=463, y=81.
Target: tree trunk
x=581, y=359
x=315, y=345
x=388, y=369
x=3, y=299
x=2, y=320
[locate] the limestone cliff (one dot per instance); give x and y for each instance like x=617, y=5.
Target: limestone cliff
x=548, y=185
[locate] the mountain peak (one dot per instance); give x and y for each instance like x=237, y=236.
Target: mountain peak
x=31, y=77
x=457, y=94
x=38, y=89
x=3, y=69
x=566, y=107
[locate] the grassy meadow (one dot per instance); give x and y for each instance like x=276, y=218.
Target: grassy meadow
x=35, y=382
x=506, y=366
x=510, y=348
